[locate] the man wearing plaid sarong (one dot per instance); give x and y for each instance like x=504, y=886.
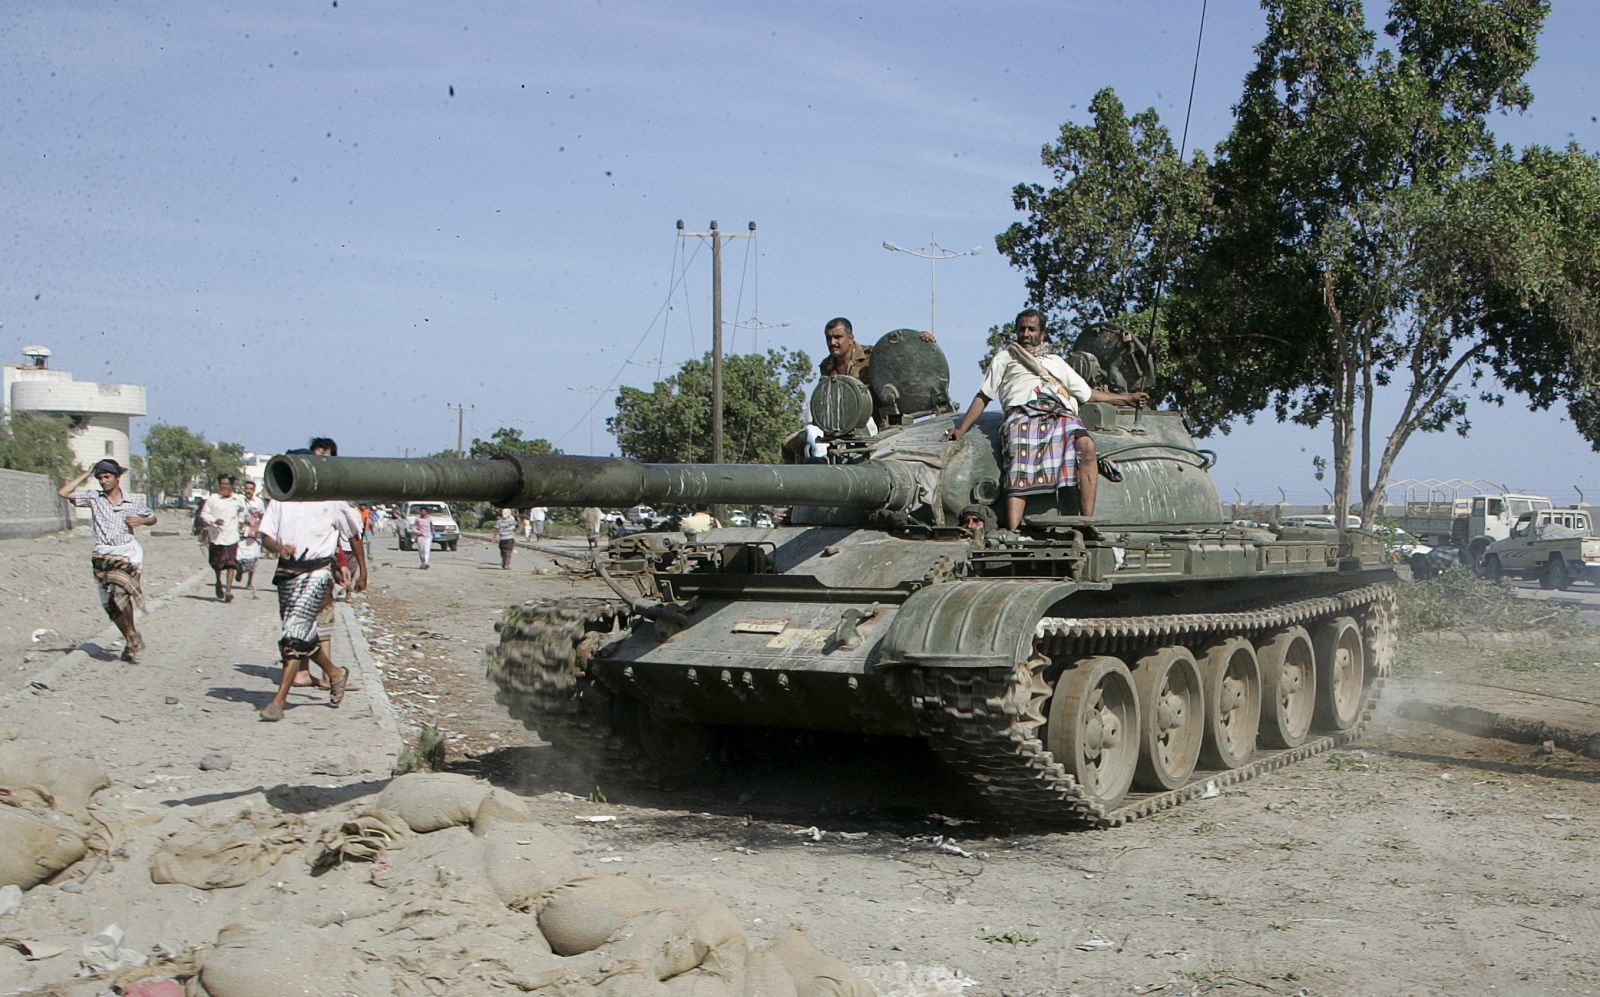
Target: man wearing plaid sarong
x=117, y=556
x=1046, y=444
x=305, y=536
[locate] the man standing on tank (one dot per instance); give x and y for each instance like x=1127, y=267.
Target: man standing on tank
x=845, y=356
x=1046, y=444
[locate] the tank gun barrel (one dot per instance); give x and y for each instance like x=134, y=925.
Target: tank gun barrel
x=562, y=480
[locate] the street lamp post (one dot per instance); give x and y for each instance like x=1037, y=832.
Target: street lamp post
x=933, y=253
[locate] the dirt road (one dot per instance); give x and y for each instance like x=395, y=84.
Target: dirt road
x=1423, y=861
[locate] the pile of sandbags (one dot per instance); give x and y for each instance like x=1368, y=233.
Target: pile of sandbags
x=474, y=894
x=44, y=813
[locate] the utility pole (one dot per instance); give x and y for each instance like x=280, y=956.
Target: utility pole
x=716, y=236
x=461, y=427
x=592, y=391
x=933, y=253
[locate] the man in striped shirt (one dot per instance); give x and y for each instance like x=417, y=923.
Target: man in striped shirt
x=117, y=557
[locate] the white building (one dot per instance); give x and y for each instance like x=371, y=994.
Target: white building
x=99, y=412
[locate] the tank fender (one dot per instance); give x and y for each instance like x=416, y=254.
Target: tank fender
x=970, y=624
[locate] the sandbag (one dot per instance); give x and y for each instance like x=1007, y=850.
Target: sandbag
x=35, y=845
x=361, y=838
x=283, y=960
x=525, y=861
x=432, y=801
x=585, y=913
x=765, y=975
x=227, y=853
x=498, y=808
x=815, y=973
x=62, y=783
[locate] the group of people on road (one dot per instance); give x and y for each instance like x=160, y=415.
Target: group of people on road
x=228, y=524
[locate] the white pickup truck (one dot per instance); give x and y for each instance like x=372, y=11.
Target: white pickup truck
x=1556, y=546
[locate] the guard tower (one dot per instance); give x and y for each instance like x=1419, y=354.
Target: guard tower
x=99, y=413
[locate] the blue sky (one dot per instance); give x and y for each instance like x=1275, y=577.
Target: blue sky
x=279, y=219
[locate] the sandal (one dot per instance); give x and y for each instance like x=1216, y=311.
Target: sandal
x=272, y=712
x=338, y=688
x=130, y=655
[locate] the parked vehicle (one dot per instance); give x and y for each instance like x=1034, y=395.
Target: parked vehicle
x=1556, y=546
x=445, y=531
x=738, y=517
x=1469, y=525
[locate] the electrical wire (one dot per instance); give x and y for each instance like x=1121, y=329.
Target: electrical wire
x=1183, y=148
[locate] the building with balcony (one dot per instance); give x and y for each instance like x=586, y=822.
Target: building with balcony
x=99, y=413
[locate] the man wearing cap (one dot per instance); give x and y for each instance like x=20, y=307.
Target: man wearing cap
x=117, y=557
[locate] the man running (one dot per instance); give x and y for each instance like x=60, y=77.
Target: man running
x=117, y=558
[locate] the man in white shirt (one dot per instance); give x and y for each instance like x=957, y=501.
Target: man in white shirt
x=224, y=514
x=305, y=536
x=1046, y=444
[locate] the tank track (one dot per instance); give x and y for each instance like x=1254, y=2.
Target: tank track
x=986, y=723
x=539, y=670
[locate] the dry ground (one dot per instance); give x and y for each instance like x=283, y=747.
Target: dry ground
x=1424, y=861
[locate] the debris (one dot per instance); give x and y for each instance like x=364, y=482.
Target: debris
x=217, y=761
x=1096, y=944
x=1211, y=791
x=1559, y=817
x=105, y=953
x=71, y=886
x=42, y=633
x=596, y=819
x=10, y=899
x=813, y=832
x=1545, y=749
x=31, y=949
x=172, y=700
x=612, y=858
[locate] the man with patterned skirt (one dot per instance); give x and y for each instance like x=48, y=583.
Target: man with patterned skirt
x=117, y=557
x=305, y=536
x=1046, y=444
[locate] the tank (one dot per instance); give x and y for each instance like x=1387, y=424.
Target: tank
x=1076, y=671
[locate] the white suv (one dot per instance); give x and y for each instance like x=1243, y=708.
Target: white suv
x=445, y=531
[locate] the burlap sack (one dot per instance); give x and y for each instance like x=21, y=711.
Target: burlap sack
x=765, y=975
x=363, y=837
x=227, y=853
x=499, y=808
x=815, y=972
x=585, y=913
x=432, y=801
x=35, y=845
x=63, y=783
x=525, y=861
x=283, y=960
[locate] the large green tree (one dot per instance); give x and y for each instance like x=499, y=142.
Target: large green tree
x=671, y=423
x=178, y=458
x=508, y=441
x=1361, y=233
x=37, y=442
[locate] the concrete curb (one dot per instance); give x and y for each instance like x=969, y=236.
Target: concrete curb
x=109, y=636
x=371, y=680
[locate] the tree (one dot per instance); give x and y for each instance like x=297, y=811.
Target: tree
x=176, y=458
x=509, y=442
x=1358, y=231
x=1122, y=212
x=225, y=458
x=1369, y=232
x=671, y=423
x=37, y=442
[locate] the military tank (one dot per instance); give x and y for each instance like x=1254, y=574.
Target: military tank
x=1076, y=671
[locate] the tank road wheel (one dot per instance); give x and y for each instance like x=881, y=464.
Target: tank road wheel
x=1094, y=727
x=1341, y=673
x=1171, y=704
x=1288, y=687
x=1555, y=574
x=1232, y=681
